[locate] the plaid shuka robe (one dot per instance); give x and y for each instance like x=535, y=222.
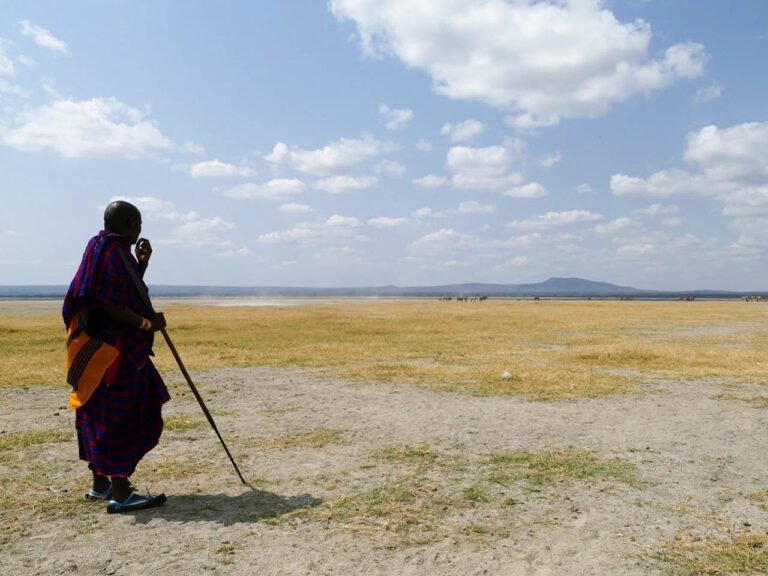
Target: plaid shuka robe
x=122, y=420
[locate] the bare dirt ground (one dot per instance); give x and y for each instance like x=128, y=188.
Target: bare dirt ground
x=310, y=446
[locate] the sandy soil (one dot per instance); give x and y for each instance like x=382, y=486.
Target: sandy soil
x=699, y=458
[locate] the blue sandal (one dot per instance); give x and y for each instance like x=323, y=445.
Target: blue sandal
x=93, y=496
x=135, y=502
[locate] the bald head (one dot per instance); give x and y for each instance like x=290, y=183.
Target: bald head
x=123, y=218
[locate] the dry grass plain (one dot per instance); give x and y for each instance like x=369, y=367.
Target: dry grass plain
x=553, y=349
x=412, y=492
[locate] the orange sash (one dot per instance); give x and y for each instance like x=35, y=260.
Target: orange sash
x=88, y=359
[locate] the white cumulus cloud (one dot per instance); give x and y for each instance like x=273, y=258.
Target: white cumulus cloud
x=43, y=37
x=614, y=225
x=7, y=67
x=294, y=208
x=732, y=166
x=658, y=210
x=233, y=253
x=430, y=181
x=100, y=127
x=473, y=207
x=529, y=190
x=336, y=157
x=275, y=189
x=551, y=160
x=386, y=222
x=485, y=168
x=427, y=212
x=461, y=131
x=188, y=229
x=442, y=240
x=709, y=93
x=342, y=184
x=334, y=229
x=395, y=118
x=218, y=169
x=556, y=219
x=390, y=168
x=507, y=54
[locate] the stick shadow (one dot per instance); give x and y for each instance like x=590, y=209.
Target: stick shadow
x=250, y=506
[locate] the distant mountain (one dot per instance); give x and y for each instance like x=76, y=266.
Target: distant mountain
x=553, y=287
x=577, y=286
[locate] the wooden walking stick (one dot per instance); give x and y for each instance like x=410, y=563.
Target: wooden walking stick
x=145, y=297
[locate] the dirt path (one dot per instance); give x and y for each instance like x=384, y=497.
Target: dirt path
x=308, y=443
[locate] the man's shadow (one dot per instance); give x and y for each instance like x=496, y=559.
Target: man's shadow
x=250, y=506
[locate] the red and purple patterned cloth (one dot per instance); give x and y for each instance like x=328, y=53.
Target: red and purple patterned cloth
x=122, y=420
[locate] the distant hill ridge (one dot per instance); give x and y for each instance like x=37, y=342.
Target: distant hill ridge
x=556, y=286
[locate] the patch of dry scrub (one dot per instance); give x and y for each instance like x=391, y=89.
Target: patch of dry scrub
x=431, y=494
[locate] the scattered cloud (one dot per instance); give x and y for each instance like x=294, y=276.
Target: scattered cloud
x=472, y=207
x=495, y=52
x=26, y=61
x=732, y=168
x=424, y=145
x=187, y=229
x=275, y=189
x=195, y=231
x=635, y=250
x=462, y=131
x=515, y=262
x=389, y=168
x=335, y=228
x=7, y=67
x=12, y=89
x=614, y=225
x=443, y=239
x=234, y=253
x=529, y=121
x=339, y=157
x=657, y=210
x=481, y=168
x=529, y=190
x=219, y=169
x=386, y=222
x=427, y=212
x=556, y=219
x=708, y=93
x=585, y=188
x=190, y=147
x=394, y=119
x=43, y=37
x=551, y=160
x=342, y=184
x=100, y=127
x=293, y=208
x=430, y=181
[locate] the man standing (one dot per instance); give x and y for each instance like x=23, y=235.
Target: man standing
x=122, y=420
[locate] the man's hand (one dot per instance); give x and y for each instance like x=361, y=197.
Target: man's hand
x=143, y=252
x=158, y=321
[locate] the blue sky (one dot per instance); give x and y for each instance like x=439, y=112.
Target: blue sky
x=408, y=142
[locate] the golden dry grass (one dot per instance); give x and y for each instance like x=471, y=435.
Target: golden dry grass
x=743, y=554
x=552, y=348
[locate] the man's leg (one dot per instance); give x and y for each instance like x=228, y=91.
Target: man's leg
x=121, y=488
x=100, y=481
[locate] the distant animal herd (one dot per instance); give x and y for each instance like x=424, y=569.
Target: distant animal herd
x=465, y=298
x=751, y=298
